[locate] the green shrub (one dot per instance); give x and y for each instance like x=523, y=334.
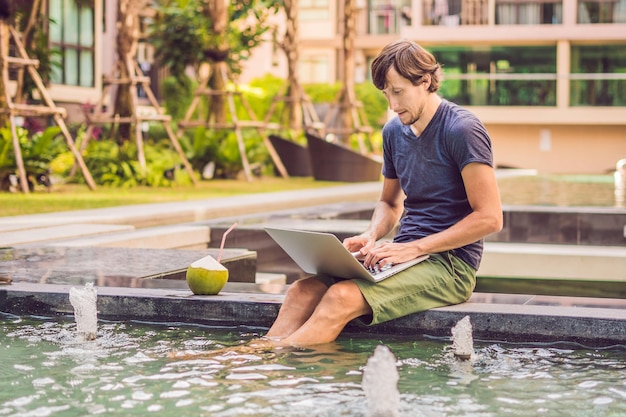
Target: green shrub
x=177, y=97
x=221, y=147
x=118, y=166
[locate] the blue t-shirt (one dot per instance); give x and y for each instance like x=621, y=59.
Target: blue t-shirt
x=429, y=170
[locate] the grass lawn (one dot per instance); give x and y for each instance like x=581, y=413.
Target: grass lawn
x=77, y=197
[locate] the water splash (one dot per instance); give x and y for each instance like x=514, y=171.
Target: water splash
x=462, y=340
x=85, y=312
x=380, y=383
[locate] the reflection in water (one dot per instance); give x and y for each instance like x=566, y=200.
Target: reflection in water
x=126, y=370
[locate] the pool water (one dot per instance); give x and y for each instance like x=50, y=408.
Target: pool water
x=559, y=190
x=128, y=370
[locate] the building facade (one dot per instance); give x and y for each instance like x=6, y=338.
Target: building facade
x=547, y=77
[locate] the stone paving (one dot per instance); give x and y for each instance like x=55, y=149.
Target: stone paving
x=144, y=280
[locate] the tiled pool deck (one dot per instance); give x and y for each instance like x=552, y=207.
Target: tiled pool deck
x=46, y=255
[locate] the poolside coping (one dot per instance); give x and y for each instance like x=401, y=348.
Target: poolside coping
x=498, y=317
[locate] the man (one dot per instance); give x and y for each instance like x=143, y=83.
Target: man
x=438, y=181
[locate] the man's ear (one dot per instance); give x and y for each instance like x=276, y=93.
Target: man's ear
x=426, y=80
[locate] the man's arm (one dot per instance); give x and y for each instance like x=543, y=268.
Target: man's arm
x=385, y=217
x=486, y=218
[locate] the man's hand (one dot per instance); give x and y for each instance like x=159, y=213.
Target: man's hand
x=389, y=252
x=361, y=243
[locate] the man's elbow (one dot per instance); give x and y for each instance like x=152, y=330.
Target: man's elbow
x=495, y=223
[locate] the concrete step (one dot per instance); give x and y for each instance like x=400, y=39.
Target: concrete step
x=548, y=261
x=42, y=235
x=182, y=236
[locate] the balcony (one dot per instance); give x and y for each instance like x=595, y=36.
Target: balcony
x=524, y=12
x=382, y=17
x=454, y=12
x=601, y=11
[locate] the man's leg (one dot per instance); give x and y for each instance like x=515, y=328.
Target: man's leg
x=341, y=303
x=301, y=299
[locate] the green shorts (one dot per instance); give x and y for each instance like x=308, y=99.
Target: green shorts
x=441, y=280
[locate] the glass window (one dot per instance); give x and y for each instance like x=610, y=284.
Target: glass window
x=498, y=76
x=388, y=16
x=529, y=12
x=601, y=11
x=598, y=75
x=313, y=69
x=313, y=9
x=72, y=34
x=454, y=12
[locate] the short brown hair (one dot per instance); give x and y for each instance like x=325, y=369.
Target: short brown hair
x=410, y=60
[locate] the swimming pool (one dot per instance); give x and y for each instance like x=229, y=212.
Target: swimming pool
x=127, y=371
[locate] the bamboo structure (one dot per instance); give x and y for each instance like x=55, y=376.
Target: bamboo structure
x=234, y=123
x=47, y=108
x=141, y=114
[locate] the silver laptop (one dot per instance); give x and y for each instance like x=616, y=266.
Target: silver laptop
x=323, y=253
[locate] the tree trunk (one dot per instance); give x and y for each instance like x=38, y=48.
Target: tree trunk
x=4, y=50
x=290, y=47
x=35, y=19
x=347, y=97
x=217, y=13
x=127, y=42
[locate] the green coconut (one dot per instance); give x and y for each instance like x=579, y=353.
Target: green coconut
x=206, y=276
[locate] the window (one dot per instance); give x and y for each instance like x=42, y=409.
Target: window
x=313, y=9
x=598, y=75
x=601, y=11
x=72, y=34
x=529, y=12
x=387, y=17
x=313, y=69
x=454, y=12
x=499, y=76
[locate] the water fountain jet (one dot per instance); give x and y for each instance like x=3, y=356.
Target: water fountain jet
x=85, y=312
x=462, y=339
x=380, y=383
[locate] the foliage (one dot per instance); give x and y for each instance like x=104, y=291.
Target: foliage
x=183, y=37
x=37, y=151
x=221, y=148
x=118, y=165
x=177, y=96
x=374, y=104
x=322, y=93
x=260, y=94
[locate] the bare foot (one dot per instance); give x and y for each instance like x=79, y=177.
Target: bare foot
x=253, y=347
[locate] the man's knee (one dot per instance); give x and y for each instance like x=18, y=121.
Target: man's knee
x=306, y=288
x=346, y=298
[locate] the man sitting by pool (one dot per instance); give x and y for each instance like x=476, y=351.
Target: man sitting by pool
x=439, y=182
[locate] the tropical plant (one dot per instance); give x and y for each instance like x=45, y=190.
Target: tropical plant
x=37, y=151
x=116, y=165
x=220, y=148
x=187, y=33
x=212, y=37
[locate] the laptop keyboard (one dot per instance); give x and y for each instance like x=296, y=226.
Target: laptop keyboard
x=376, y=269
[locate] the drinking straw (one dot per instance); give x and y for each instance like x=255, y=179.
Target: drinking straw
x=219, y=255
